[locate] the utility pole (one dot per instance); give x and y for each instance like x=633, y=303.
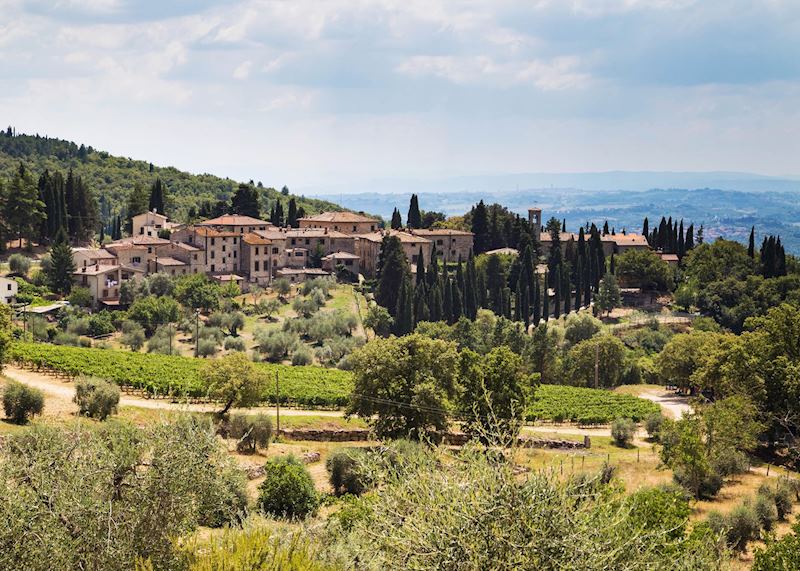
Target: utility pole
x=196, y=333
x=596, y=365
x=277, y=405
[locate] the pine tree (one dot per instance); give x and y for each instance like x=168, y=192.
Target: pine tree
x=291, y=214
x=156, y=203
x=751, y=246
x=447, y=303
x=646, y=230
x=435, y=303
x=421, y=309
x=470, y=295
x=495, y=281
x=545, y=300
x=397, y=221
x=480, y=228
x=414, y=218
x=578, y=289
x=605, y=228
x=689, y=242
x=458, y=301
x=681, y=241
x=22, y=209
x=536, y=300
x=62, y=265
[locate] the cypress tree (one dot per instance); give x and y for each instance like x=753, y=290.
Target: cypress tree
x=404, y=312
x=554, y=256
x=495, y=282
x=646, y=229
x=291, y=214
x=681, y=241
x=751, y=246
x=545, y=300
x=700, y=236
x=421, y=310
x=557, y=304
x=447, y=303
x=279, y=214
x=397, y=222
x=435, y=303
x=414, y=219
x=420, y=277
x=536, y=301
x=432, y=275
x=392, y=270
x=480, y=228
x=605, y=228
x=480, y=288
x=564, y=225
x=458, y=304
x=156, y=202
x=470, y=293
x=578, y=289
x=612, y=264
x=689, y=242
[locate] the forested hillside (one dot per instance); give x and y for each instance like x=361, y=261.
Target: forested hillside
x=112, y=178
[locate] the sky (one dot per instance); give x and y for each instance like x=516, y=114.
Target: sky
x=341, y=93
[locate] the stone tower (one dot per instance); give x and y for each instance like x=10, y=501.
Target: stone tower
x=535, y=220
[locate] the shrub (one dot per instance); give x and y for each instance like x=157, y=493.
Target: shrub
x=96, y=398
x=742, y=526
x=64, y=338
x=288, y=490
x=346, y=471
x=780, y=496
x=708, y=485
x=132, y=335
x=251, y=432
x=80, y=297
x=275, y=344
x=235, y=344
x=302, y=356
x=207, y=347
x=19, y=264
x=765, y=510
x=622, y=431
x=22, y=402
x=653, y=424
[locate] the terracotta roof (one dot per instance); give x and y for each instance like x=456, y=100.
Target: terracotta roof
x=125, y=246
x=503, y=251
x=341, y=256
x=404, y=237
x=234, y=220
x=630, y=240
x=143, y=240
x=299, y=271
x=94, y=253
x=314, y=233
x=439, y=232
x=95, y=270
x=228, y=277
x=187, y=247
x=669, y=257
x=564, y=237
x=213, y=233
x=167, y=261
x=256, y=240
x=343, y=217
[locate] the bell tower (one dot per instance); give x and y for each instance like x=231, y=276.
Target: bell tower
x=535, y=220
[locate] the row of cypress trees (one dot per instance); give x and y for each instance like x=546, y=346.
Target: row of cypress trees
x=670, y=236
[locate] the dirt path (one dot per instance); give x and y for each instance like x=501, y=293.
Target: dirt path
x=673, y=405
x=59, y=394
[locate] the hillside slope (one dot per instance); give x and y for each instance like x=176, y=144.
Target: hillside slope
x=112, y=178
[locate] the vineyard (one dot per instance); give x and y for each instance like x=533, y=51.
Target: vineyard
x=586, y=406
x=174, y=376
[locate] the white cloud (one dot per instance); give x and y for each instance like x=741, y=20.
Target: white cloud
x=242, y=70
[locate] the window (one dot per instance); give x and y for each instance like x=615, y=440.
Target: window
x=212, y=254
x=105, y=293
x=274, y=250
x=354, y=227
x=256, y=266
x=223, y=248
x=136, y=260
x=213, y=268
x=414, y=259
x=234, y=253
x=348, y=262
x=141, y=230
x=439, y=242
x=213, y=240
x=195, y=257
x=308, y=241
x=372, y=228
x=322, y=241
x=8, y=287
x=256, y=250
x=149, y=250
x=234, y=239
x=293, y=241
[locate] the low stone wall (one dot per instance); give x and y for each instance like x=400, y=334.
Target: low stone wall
x=326, y=434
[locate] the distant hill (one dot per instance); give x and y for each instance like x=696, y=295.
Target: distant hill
x=112, y=178
x=722, y=212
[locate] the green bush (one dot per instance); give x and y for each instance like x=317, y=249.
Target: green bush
x=207, y=347
x=19, y=264
x=302, y=356
x=622, y=431
x=780, y=496
x=235, y=344
x=96, y=398
x=64, y=338
x=22, y=402
x=288, y=490
x=346, y=471
x=766, y=512
x=653, y=424
x=742, y=526
x=707, y=487
x=250, y=431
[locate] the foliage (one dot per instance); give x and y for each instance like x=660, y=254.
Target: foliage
x=653, y=424
x=603, y=355
x=80, y=497
x=302, y=356
x=96, y=398
x=347, y=471
x=644, y=269
x=608, y=296
x=622, y=431
x=287, y=490
x=163, y=341
x=587, y=406
x=684, y=355
x=403, y=386
x=379, y=320
x=180, y=376
x=475, y=513
x=783, y=553
x=235, y=344
x=21, y=402
x=152, y=311
x=234, y=380
x=80, y=297
x=276, y=345
x=253, y=548
x=133, y=335
x=19, y=264
x=580, y=327
x=250, y=431
x=197, y=291
x=5, y=333
x=495, y=392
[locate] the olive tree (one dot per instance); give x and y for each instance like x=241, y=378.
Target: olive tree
x=233, y=380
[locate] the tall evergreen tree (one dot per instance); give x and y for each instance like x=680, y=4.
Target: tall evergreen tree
x=458, y=302
x=578, y=288
x=244, y=201
x=480, y=228
x=24, y=213
x=751, y=246
x=84, y=215
x=496, y=238
x=397, y=221
x=554, y=256
x=393, y=269
x=495, y=282
x=414, y=219
x=545, y=299
x=646, y=229
x=404, y=312
x=157, y=193
x=470, y=295
x=447, y=301
x=137, y=202
x=435, y=302
x=689, y=241
x=536, y=300
x=62, y=265
x=291, y=214
x=420, y=276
